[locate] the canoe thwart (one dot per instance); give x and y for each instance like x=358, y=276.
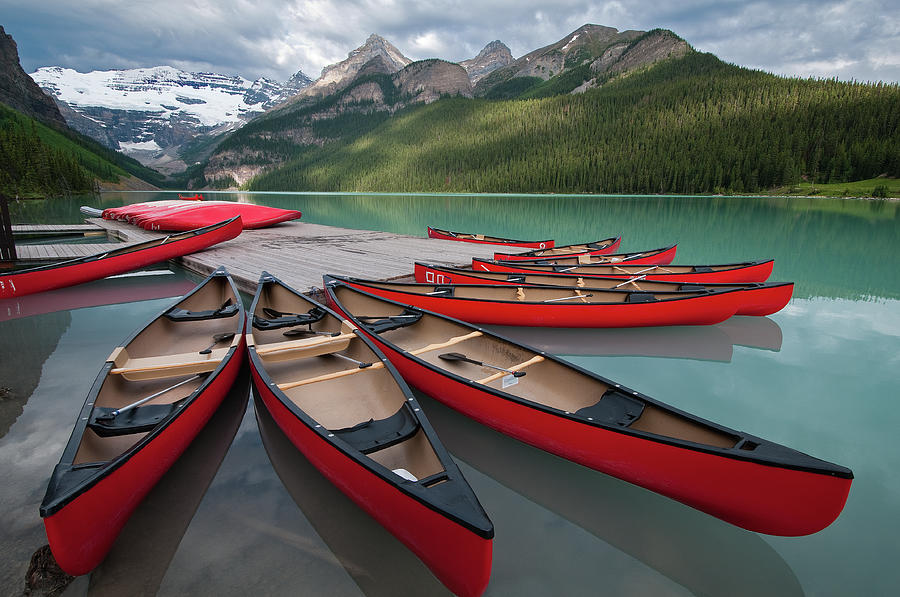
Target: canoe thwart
x=371, y=436
x=137, y=420
x=325, y=377
x=450, y=342
x=614, y=408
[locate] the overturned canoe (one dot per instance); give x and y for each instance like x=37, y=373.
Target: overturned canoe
x=600, y=247
x=547, y=402
x=151, y=398
x=467, y=237
x=744, y=272
x=557, y=306
x=115, y=261
x=184, y=215
x=347, y=409
x=756, y=298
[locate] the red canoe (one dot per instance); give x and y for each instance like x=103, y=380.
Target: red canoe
x=557, y=306
x=745, y=272
x=115, y=261
x=489, y=240
x=600, y=247
x=361, y=426
x=573, y=413
x=121, y=446
x=186, y=215
x=758, y=298
x=194, y=197
x=662, y=256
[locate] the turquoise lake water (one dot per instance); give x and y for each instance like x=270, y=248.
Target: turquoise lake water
x=820, y=376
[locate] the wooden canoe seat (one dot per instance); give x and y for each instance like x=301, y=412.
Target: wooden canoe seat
x=520, y=294
x=533, y=360
x=582, y=259
x=162, y=366
x=304, y=347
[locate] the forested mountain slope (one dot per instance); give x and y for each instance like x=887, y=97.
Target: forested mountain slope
x=689, y=124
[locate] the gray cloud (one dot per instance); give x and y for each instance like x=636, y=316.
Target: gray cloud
x=849, y=39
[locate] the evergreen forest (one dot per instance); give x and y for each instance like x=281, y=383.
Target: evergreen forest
x=36, y=160
x=688, y=125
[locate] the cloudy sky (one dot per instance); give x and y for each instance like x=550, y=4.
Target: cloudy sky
x=848, y=39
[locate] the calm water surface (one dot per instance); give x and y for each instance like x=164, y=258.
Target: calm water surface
x=820, y=376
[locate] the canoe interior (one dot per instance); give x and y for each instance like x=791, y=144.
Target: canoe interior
x=527, y=294
x=331, y=390
x=589, y=282
x=600, y=269
x=547, y=382
x=162, y=342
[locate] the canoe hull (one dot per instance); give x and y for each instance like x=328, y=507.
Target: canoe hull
x=753, y=300
x=82, y=532
x=740, y=273
x=458, y=557
x=39, y=280
x=705, y=309
x=764, y=499
x=525, y=244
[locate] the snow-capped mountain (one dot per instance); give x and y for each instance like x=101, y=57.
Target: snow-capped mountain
x=151, y=109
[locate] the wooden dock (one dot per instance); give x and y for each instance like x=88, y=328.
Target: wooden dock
x=300, y=253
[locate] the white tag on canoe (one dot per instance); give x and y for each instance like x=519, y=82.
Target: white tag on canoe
x=510, y=380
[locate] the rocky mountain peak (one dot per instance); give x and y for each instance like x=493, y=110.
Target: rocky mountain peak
x=493, y=56
x=19, y=91
x=337, y=76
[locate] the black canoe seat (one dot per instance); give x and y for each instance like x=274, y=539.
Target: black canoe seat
x=702, y=269
x=693, y=288
x=370, y=436
x=228, y=309
x=288, y=319
x=379, y=323
x=640, y=297
x=442, y=291
x=614, y=408
x=137, y=420
x=519, y=278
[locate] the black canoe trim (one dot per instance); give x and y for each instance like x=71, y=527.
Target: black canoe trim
x=773, y=454
x=68, y=481
x=436, y=498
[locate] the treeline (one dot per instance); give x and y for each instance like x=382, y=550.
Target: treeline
x=687, y=125
x=29, y=166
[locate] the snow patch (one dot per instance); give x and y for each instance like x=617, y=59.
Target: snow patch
x=571, y=41
x=140, y=146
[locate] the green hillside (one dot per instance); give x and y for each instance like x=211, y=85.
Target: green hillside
x=38, y=160
x=687, y=125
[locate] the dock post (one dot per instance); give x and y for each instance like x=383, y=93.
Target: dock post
x=7, y=243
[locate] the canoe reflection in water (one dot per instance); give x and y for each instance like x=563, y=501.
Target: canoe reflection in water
x=699, y=552
x=141, y=554
x=704, y=343
x=378, y=562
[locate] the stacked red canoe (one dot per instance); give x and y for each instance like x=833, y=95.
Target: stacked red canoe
x=187, y=215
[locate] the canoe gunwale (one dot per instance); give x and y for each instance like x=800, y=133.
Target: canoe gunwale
x=731, y=453
x=414, y=490
x=54, y=503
